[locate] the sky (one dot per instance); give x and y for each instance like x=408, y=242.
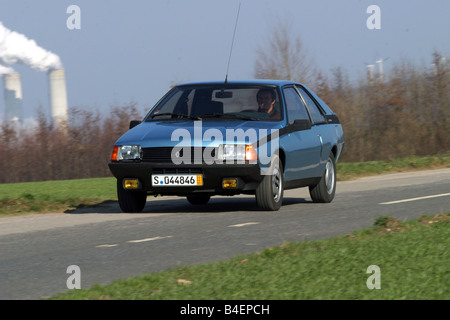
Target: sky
x=132, y=51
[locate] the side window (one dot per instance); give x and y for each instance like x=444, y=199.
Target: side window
x=316, y=115
x=295, y=108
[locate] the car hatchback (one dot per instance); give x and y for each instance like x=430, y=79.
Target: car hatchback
x=257, y=137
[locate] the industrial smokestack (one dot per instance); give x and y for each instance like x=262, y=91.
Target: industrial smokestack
x=58, y=96
x=13, y=97
x=17, y=48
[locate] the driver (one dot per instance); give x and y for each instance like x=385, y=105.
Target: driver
x=266, y=99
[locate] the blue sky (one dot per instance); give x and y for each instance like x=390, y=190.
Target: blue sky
x=133, y=50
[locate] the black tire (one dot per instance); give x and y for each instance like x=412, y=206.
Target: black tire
x=269, y=193
x=325, y=190
x=130, y=201
x=198, y=199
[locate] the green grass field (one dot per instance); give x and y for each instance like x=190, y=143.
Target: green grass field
x=350, y=170
x=413, y=260
x=55, y=196
x=63, y=195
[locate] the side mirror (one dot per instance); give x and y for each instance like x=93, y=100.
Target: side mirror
x=301, y=124
x=134, y=123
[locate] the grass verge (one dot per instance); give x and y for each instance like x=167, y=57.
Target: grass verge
x=55, y=196
x=413, y=259
x=351, y=170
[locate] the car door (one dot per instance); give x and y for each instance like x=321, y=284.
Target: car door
x=300, y=142
x=318, y=127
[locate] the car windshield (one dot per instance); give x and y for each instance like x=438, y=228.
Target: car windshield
x=219, y=102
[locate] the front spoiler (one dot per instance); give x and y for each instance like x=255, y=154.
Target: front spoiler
x=249, y=176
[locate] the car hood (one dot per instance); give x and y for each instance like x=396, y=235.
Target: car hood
x=196, y=133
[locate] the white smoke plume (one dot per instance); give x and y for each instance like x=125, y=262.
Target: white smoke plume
x=6, y=70
x=17, y=48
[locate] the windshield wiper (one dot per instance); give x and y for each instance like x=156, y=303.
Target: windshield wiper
x=175, y=115
x=228, y=116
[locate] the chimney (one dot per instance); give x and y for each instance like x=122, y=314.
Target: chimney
x=58, y=96
x=13, y=97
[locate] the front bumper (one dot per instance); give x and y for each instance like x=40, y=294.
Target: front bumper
x=248, y=176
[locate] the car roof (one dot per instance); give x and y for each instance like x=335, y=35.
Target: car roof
x=272, y=82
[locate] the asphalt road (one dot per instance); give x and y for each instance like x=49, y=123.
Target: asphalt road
x=36, y=250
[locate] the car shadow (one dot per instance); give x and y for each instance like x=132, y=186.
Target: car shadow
x=108, y=206
x=180, y=205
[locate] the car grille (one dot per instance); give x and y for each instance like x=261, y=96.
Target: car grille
x=177, y=171
x=164, y=154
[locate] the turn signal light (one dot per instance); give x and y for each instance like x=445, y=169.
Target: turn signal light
x=114, y=153
x=250, y=153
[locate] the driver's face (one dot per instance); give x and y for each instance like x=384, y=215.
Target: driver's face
x=265, y=100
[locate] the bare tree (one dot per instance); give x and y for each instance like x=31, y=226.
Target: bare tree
x=283, y=56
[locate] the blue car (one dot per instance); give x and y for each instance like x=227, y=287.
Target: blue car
x=257, y=137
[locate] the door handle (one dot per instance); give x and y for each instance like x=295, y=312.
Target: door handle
x=321, y=144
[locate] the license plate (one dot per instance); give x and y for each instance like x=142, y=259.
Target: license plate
x=182, y=180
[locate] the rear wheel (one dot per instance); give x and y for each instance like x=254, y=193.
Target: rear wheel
x=269, y=193
x=198, y=199
x=130, y=201
x=325, y=190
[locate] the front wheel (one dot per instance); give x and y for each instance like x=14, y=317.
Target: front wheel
x=325, y=190
x=269, y=193
x=130, y=201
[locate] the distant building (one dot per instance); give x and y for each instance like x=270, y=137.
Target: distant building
x=13, y=97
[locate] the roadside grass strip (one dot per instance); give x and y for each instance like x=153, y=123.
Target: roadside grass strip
x=55, y=196
x=352, y=170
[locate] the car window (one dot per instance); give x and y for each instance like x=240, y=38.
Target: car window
x=316, y=115
x=219, y=102
x=295, y=108
x=172, y=103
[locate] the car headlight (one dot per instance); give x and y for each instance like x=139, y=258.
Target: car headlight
x=126, y=153
x=237, y=152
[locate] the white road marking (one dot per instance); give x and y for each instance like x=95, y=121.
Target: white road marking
x=419, y=198
x=106, y=245
x=243, y=224
x=148, y=239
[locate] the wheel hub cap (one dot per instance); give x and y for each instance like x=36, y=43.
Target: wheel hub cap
x=329, y=177
x=276, y=184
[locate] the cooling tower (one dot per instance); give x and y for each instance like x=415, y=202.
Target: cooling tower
x=58, y=96
x=13, y=97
